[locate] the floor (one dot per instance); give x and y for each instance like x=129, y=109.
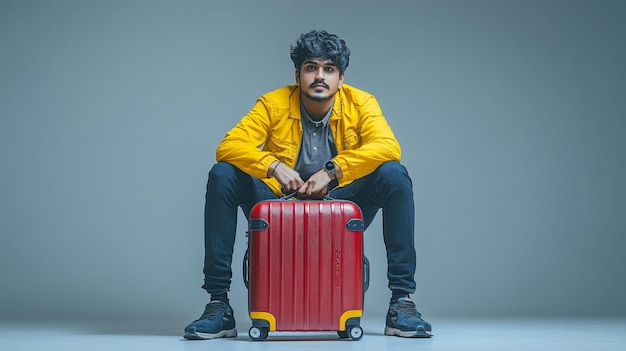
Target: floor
x=450, y=334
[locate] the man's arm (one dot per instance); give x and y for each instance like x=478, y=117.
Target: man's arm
x=288, y=178
x=378, y=144
x=317, y=185
x=241, y=148
x=241, y=145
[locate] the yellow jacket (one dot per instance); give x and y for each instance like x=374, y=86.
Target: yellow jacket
x=272, y=131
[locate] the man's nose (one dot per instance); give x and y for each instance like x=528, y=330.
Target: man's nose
x=319, y=74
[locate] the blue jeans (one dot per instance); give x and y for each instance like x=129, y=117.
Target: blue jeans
x=389, y=188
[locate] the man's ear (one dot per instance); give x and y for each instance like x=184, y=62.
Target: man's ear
x=297, y=77
x=341, y=77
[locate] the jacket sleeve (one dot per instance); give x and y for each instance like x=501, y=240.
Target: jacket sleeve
x=378, y=144
x=241, y=145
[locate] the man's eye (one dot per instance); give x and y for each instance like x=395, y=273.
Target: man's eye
x=330, y=69
x=311, y=68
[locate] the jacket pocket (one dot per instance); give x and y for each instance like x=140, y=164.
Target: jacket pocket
x=351, y=141
x=282, y=149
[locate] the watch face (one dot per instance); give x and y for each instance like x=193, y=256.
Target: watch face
x=330, y=165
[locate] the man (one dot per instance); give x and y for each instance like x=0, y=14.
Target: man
x=317, y=137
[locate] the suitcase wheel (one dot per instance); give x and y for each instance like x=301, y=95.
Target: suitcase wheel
x=355, y=332
x=258, y=333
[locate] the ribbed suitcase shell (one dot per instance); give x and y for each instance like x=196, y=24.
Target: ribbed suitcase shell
x=305, y=264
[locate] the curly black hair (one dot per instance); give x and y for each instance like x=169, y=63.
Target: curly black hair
x=321, y=45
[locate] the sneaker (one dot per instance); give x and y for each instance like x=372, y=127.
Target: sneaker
x=404, y=320
x=217, y=321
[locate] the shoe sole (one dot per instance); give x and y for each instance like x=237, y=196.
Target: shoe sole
x=419, y=333
x=194, y=335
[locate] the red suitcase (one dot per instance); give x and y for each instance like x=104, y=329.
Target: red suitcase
x=304, y=268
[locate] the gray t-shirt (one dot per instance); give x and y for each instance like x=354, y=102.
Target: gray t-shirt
x=317, y=146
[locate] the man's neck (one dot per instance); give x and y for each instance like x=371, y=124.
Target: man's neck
x=317, y=110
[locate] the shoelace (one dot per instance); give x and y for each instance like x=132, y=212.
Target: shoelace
x=211, y=310
x=408, y=308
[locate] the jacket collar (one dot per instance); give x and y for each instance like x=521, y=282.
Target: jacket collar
x=294, y=104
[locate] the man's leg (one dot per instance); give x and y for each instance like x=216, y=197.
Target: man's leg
x=228, y=188
x=391, y=188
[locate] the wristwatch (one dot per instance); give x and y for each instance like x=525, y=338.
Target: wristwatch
x=330, y=168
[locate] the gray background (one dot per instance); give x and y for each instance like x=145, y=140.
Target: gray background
x=511, y=115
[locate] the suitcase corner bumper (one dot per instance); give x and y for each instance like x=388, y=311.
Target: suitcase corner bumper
x=263, y=319
x=350, y=317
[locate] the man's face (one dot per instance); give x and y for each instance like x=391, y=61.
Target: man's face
x=319, y=80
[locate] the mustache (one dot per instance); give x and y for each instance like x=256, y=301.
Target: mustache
x=319, y=83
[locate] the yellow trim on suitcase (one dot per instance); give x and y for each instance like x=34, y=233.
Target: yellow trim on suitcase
x=347, y=315
x=266, y=316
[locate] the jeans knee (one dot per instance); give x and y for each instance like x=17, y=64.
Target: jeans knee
x=394, y=175
x=222, y=176
x=222, y=169
x=391, y=167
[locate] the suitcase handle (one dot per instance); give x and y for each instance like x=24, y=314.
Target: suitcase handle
x=246, y=262
x=366, y=274
x=294, y=196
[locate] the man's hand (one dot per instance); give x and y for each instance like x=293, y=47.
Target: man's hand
x=316, y=187
x=289, y=179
